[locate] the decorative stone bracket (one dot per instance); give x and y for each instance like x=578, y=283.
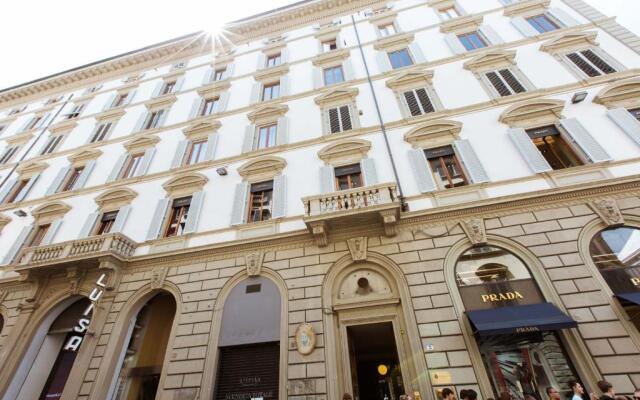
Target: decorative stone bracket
x=475, y=231
x=608, y=211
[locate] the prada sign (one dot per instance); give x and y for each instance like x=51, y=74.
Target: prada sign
x=622, y=280
x=506, y=296
x=500, y=294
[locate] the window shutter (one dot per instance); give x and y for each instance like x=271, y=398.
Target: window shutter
x=282, y=133
x=228, y=72
x=598, y=61
x=327, y=179
x=121, y=219
x=368, y=166
x=57, y=181
x=284, y=85
x=9, y=184
x=318, y=79
x=208, y=76
x=564, y=18
x=212, y=144
x=421, y=171
x=593, y=150
x=416, y=52
x=110, y=99
x=470, y=161
x=626, y=122
x=249, y=132
x=412, y=103
x=454, y=43
x=334, y=120
x=84, y=176
x=51, y=232
x=256, y=90
x=25, y=190
x=512, y=81
x=179, y=154
x=88, y=225
x=178, y=85
x=163, y=117
x=195, y=107
x=130, y=97
x=141, y=121
x=240, y=198
x=43, y=122
x=345, y=118
x=404, y=106
x=425, y=100
x=278, y=209
x=17, y=245
x=223, y=101
x=157, y=89
x=382, y=59
x=528, y=150
x=499, y=86
x=191, y=225
x=158, y=218
x=115, y=172
x=284, y=55
x=146, y=162
x=347, y=68
x=491, y=35
x=523, y=26
x=261, y=62
x=583, y=65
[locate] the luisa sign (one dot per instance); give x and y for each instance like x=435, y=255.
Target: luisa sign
x=80, y=329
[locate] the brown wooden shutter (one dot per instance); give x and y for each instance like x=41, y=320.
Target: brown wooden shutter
x=345, y=117
x=425, y=101
x=497, y=83
x=512, y=81
x=412, y=103
x=583, y=65
x=598, y=62
x=247, y=372
x=334, y=120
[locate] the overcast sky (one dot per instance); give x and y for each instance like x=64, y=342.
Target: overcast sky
x=42, y=37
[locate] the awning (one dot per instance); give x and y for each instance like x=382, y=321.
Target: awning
x=632, y=297
x=520, y=319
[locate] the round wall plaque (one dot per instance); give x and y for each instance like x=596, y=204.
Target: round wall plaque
x=305, y=339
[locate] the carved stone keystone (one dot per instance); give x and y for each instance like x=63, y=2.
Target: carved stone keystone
x=358, y=248
x=254, y=263
x=475, y=230
x=608, y=210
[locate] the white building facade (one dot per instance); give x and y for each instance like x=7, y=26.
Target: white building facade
x=337, y=196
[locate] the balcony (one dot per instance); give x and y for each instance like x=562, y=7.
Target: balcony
x=114, y=245
x=366, y=205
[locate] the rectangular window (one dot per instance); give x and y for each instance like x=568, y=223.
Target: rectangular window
x=448, y=13
x=120, y=100
x=418, y=102
x=16, y=190
x=270, y=92
x=446, y=167
x=554, y=148
x=153, y=121
x=51, y=145
x=167, y=87
x=72, y=179
x=266, y=136
x=542, y=23
x=101, y=132
x=197, y=152
x=504, y=82
x=106, y=222
x=260, y=200
x=329, y=45
x=635, y=112
x=33, y=122
x=400, y=58
x=75, y=112
x=8, y=154
x=348, y=177
x=472, y=41
x=133, y=163
x=274, y=60
x=590, y=63
x=387, y=30
x=41, y=231
x=209, y=106
x=340, y=119
x=218, y=75
x=178, y=217
x=333, y=75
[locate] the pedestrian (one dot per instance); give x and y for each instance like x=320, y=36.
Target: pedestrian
x=578, y=390
x=448, y=394
x=636, y=394
x=468, y=394
x=463, y=394
x=347, y=396
x=553, y=393
x=505, y=396
x=607, y=390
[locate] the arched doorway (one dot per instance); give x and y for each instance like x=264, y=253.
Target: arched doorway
x=140, y=364
x=518, y=333
x=249, y=348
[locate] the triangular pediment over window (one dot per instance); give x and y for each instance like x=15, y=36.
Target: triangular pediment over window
x=411, y=79
x=570, y=41
x=491, y=60
x=141, y=143
x=267, y=113
x=337, y=96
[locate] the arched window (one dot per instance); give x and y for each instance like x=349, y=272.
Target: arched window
x=143, y=358
x=516, y=330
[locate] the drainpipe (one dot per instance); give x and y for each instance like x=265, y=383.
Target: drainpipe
x=403, y=204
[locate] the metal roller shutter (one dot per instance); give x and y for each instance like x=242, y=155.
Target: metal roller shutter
x=250, y=371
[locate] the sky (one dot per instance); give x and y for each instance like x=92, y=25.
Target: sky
x=43, y=37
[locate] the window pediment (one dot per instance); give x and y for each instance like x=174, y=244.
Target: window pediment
x=533, y=113
x=272, y=73
x=161, y=102
x=440, y=4
x=185, y=184
x=31, y=168
x=383, y=16
x=394, y=42
x=50, y=211
x=223, y=59
x=328, y=32
x=214, y=89
x=410, y=80
x=331, y=58
x=569, y=41
x=262, y=168
x=624, y=93
x=345, y=151
x=526, y=8
x=63, y=127
x=274, y=44
x=336, y=96
x=141, y=143
x=115, y=198
x=426, y=135
x=462, y=24
x=491, y=60
x=202, y=129
x=268, y=113
x=81, y=157
x=110, y=114
x=20, y=139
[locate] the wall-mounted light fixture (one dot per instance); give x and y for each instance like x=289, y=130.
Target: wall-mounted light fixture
x=579, y=97
x=20, y=213
x=222, y=171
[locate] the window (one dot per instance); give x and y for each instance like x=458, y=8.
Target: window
x=472, y=41
x=133, y=163
x=446, y=167
x=16, y=191
x=542, y=23
x=448, y=13
x=329, y=45
x=52, y=144
x=120, y=100
x=197, y=152
x=72, y=179
x=274, y=60
x=101, y=132
x=106, y=222
x=218, y=75
x=178, y=217
x=75, y=111
x=553, y=147
x=266, y=136
x=418, y=101
x=179, y=65
x=17, y=110
x=387, y=30
x=33, y=122
x=2, y=128
x=504, y=82
x=260, y=200
x=41, y=231
x=8, y=154
x=53, y=100
x=400, y=58
x=348, y=177
x=154, y=118
x=340, y=119
x=590, y=63
x=635, y=112
x=270, y=92
x=333, y=75
x=167, y=87
x=210, y=106
x=92, y=89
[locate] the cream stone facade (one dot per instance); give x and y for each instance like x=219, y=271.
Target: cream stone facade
x=338, y=196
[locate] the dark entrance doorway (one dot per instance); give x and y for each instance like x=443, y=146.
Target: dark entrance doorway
x=375, y=368
x=249, y=372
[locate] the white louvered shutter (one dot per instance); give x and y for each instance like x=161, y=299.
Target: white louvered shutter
x=228, y=72
x=564, y=18
x=279, y=196
x=178, y=85
x=626, y=122
x=347, y=68
x=158, y=218
x=284, y=56
x=421, y=171
x=207, y=77
x=491, y=35
x=57, y=181
x=470, y=161
x=51, y=232
x=589, y=145
x=524, y=27
x=240, y=198
x=256, y=90
x=88, y=225
x=528, y=150
x=195, y=207
x=284, y=85
x=84, y=176
x=8, y=185
x=25, y=190
x=130, y=97
x=17, y=245
x=318, y=79
x=157, y=89
x=196, y=104
x=109, y=101
x=143, y=168
x=142, y=119
x=327, y=179
x=249, y=133
x=181, y=148
x=368, y=166
x=417, y=53
x=121, y=219
x=212, y=144
x=261, y=62
x=115, y=172
x=282, y=131
x=454, y=43
x=382, y=59
x=223, y=101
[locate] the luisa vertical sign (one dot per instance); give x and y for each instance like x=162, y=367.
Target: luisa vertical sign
x=80, y=329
